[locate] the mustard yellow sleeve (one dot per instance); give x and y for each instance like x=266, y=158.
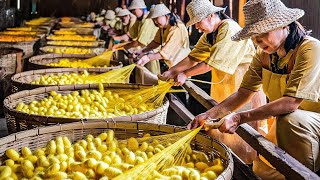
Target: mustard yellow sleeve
x=201, y=50
x=173, y=43
x=157, y=37
x=252, y=79
x=304, y=79
x=133, y=31
x=147, y=32
x=226, y=54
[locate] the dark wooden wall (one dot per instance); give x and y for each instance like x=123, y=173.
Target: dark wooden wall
x=82, y=7
x=311, y=20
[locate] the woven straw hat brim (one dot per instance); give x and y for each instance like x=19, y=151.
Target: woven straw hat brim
x=197, y=19
x=123, y=12
x=268, y=24
x=157, y=11
x=137, y=4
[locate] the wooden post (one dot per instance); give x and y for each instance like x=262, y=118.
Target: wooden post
x=241, y=15
x=183, y=9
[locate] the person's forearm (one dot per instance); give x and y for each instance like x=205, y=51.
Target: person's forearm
x=150, y=47
x=154, y=56
x=232, y=103
x=124, y=37
x=200, y=68
x=183, y=65
x=278, y=107
x=131, y=45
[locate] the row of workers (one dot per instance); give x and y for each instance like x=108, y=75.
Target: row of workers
x=285, y=65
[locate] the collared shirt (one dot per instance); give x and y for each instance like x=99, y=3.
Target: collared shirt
x=223, y=53
x=143, y=30
x=303, y=80
x=174, y=42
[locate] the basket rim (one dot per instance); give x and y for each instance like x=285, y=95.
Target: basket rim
x=43, y=48
x=32, y=61
x=54, y=70
x=53, y=119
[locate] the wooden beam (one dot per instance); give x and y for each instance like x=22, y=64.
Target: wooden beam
x=199, y=95
x=180, y=109
x=241, y=170
x=282, y=161
x=279, y=159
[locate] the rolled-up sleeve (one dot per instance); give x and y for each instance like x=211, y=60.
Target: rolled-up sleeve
x=252, y=79
x=304, y=78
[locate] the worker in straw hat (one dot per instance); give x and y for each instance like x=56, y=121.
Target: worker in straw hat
x=215, y=51
x=287, y=67
x=128, y=20
x=172, y=37
x=142, y=32
x=111, y=21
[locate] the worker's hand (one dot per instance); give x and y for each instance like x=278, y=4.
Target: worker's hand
x=231, y=123
x=167, y=75
x=143, y=60
x=138, y=52
x=196, y=121
x=212, y=113
x=180, y=79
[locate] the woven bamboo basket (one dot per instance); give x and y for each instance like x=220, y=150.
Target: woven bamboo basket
x=10, y=61
x=18, y=121
x=41, y=61
x=22, y=81
x=29, y=48
x=94, y=51
x=98, y=43
x=75, y=25
x=39, y=137
x=81, y=31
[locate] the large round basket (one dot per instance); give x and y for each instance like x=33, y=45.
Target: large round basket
x=22, y=81
x=94, y=51
x=29, y=48
x=41, y=61
x=37, y=138
x=17, y=120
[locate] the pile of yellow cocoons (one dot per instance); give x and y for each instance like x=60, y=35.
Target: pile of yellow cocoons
x=73, y=64
x=85, y=104
x=102, y=157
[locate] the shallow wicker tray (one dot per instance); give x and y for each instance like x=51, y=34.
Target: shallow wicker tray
x=98, y=43
x=37, y=138
x=96, y=51
x=17, y=121
x=82, y=31
x=41, y=61
x=22, y=81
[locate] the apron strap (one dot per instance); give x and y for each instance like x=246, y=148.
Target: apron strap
x=292, y=59
x=265, y=61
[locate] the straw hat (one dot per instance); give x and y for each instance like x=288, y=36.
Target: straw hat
x=103, y=12
x=262, y=16
x=200, y=9
x=110, y=15
x=158, y=10
x=123, y=12
x=137, y=4
x=117, y=9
